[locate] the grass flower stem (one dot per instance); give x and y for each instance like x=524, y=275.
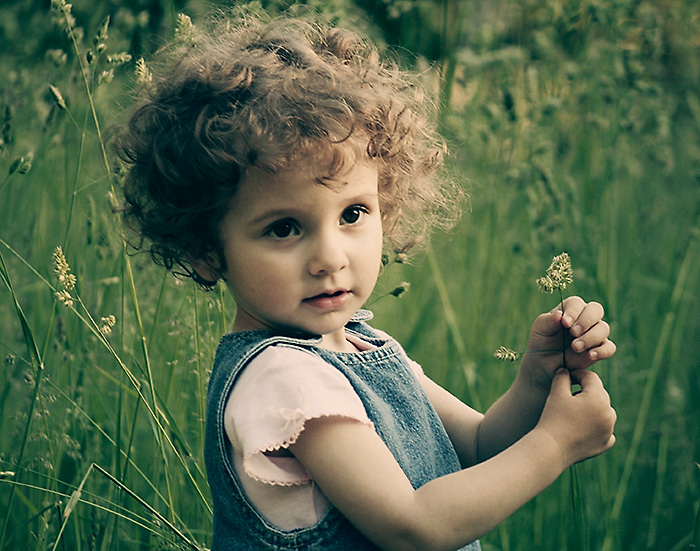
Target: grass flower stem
x=576, y=502
x=563, y=333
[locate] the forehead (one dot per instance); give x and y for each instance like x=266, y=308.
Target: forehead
x=306, y=184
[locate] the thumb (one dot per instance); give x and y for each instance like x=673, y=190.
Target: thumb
x=561, y=381
x=547, y=324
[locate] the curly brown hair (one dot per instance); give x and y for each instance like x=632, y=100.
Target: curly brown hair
x=250, y=93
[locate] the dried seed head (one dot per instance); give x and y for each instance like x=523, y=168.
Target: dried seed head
x=545, y=284
x=57, y=97
x=60, y=264
x=184, y=31
x=62, y=15
x=64, y=297
x=66, y=280
x=22, y=165
x=108, y=323
x=143, y=74
x=105, y=76
x=400, y=289
x=101, y=34
x=506, y=354
x=57, y=57
x=559, y=274
x=60, y=5
x=560, y=271
x=118, y=59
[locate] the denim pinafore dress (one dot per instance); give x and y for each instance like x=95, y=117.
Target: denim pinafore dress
x=394, y=401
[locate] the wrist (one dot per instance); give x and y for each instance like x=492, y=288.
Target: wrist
x=533, y=375
x=549, y=447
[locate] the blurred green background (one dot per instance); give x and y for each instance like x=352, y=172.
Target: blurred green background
x=574, y=126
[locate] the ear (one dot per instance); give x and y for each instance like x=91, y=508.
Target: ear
x=207, y=269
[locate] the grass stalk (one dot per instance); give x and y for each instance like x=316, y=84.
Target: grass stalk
x=686, y=274
x=579, y=543
x=659, y=486
x=576, y=502
x=93, y=327
x=201, y=376
x=38, y=366
x=695, y=541
x=70, y=506
x=453, y=328
x=148, y=507
x=151, y=383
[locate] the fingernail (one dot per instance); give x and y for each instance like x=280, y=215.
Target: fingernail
x=578, y=346
x=594, y=355
x=576, y=330
x=568, y=319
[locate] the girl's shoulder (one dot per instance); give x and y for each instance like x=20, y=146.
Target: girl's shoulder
x=281, y=389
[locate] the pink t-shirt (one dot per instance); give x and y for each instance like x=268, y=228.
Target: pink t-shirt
x=281, y=389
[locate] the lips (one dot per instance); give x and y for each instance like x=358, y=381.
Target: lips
x=330, y=300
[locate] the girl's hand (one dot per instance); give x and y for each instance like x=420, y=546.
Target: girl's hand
x=580, y=330
x=582, y=423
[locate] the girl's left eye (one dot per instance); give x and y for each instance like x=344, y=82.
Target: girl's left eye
x=353, y=214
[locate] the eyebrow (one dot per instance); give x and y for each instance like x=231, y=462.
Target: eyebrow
x=274, y=214
x=293, y=212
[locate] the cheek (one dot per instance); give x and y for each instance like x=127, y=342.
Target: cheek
x=259, y=276
x=373, y=253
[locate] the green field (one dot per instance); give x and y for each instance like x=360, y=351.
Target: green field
x=574, y=126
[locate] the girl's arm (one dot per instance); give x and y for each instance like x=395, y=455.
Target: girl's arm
x=359, y=475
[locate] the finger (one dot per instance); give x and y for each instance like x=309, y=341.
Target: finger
x=592, y=338
x=603, y=352
x=587, y=380
x=561, y=382
x=572, y=306
x=590, y=315
x=585, y=359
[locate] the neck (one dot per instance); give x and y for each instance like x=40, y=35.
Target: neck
x=336, y=342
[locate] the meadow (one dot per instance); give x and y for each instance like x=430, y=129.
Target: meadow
x=573, y=126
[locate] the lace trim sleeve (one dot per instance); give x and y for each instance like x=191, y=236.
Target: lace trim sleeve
x=275, y=396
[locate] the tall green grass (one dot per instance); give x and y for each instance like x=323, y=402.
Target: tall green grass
x=574, y=128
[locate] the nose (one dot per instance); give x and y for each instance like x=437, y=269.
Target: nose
x=327, y=253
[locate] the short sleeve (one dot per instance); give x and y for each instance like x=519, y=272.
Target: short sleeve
x=277, y=393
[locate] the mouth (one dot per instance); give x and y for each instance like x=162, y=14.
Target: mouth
x=329, y=300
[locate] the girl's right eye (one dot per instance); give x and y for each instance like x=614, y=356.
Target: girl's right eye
x=282, y=229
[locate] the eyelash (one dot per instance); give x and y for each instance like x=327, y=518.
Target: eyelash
x=285, y=223
x=360, y=209
x=293, y=226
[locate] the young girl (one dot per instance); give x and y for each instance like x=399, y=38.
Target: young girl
x=286, y=159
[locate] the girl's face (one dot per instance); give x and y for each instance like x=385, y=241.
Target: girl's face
x=302, y=256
